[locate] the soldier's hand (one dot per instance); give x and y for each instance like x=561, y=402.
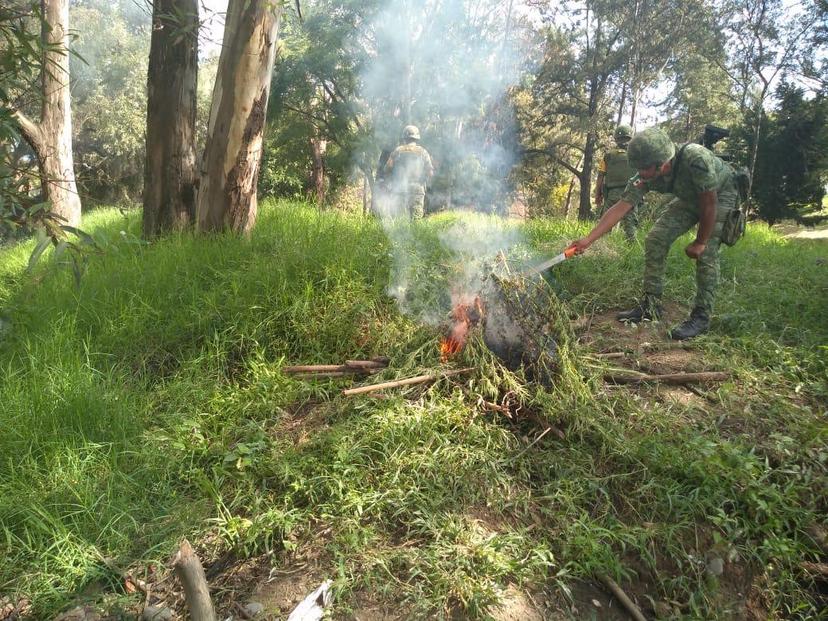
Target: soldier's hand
x=695, y=250
x=581, y=245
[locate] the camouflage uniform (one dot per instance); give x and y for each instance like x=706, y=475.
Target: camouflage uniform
x=617, y=171
x=408, y=168
x=698, y=170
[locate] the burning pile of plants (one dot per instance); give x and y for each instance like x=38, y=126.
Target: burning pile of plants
x=521, y=319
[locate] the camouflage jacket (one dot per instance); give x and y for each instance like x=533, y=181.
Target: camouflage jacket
x=409, y=168
x=698, y=170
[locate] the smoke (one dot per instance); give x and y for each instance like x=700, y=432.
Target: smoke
x=445, y=67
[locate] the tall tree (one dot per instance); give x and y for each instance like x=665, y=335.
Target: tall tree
x=51, y=136
x=170, y=172
x=792, y=162
x=599, y=55
x=572, y=89
x=230, y=167
x=766, y=42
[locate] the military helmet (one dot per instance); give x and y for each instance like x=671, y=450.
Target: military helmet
x=410, y=132
x=623, y=133
x=650, y=147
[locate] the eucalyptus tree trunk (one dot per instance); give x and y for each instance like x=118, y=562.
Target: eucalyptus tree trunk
x=51, y=137
x=230, y=167
x=170, y=171
x=319, y=147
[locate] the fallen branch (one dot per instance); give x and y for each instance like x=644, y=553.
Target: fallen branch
x=350, y=366
x=191, y=574
x=669, y=378
x=420, y=379
x=316, y=368
x=611, y=354
x=608, y=582
x=366, y=364
x=815, y=569
x=322, y=374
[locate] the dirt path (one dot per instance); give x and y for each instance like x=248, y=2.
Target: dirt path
x=794, y=231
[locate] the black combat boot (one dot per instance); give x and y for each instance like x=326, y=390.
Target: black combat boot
x=648, y=309
x=697, y=323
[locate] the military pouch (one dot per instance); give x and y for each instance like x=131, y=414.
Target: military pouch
x=733, y=228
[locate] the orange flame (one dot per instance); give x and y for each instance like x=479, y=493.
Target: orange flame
x=464, y=315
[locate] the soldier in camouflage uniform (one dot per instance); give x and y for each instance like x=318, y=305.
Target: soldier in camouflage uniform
x=409, y=168
x=613, y=173
x=705, y=191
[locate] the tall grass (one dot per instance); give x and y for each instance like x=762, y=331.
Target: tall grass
x=148, y=404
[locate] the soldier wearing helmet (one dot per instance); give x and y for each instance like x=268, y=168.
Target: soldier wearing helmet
x=705, y=192
x=408, y=169
x=613, y=173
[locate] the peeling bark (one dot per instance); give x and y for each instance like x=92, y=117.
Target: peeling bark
x=51, y=138
x=230, y=167
x=170, y=177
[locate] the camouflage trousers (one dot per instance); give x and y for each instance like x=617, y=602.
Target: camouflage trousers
x=410, y=203
x=678, y=218
x=629, y=223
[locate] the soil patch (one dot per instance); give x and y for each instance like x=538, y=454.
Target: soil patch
x=517, y=606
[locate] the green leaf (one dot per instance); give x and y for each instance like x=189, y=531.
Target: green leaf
x=43, y=243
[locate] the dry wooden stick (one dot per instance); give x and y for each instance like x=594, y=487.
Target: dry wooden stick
x=315, y=368
x=608, y=582
x=196, y=593
x=815, y=569
x=366, y=364
x=323, y=374
x=420, y=379
x=669, y=378
x=611, y=354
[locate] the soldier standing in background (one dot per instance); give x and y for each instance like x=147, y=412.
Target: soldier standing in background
x=613, y=173
x=706, y=193
x=408, y=170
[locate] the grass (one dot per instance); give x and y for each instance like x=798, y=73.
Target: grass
x=148, y=404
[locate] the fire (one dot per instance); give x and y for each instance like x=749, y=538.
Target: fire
x=465, y=315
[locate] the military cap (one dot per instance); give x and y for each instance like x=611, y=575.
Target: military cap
x=650, y=147
x=410, y=132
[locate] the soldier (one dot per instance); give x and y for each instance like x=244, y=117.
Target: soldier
x=613, y=173
x=705, y=191
x=409, y=168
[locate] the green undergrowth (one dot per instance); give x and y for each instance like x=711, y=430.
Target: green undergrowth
x=148, y=404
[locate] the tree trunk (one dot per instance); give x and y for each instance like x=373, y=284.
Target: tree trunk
x=568, y=203
x=635, y=96
x=585, y=204
x=317, y=176
x=757, y=130
x=51, y=138
x=230, y=167
x=366, y=191
x=622, y=103
x=170, y=172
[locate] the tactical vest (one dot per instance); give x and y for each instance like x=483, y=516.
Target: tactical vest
x=409, y=165
x=619, y=170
